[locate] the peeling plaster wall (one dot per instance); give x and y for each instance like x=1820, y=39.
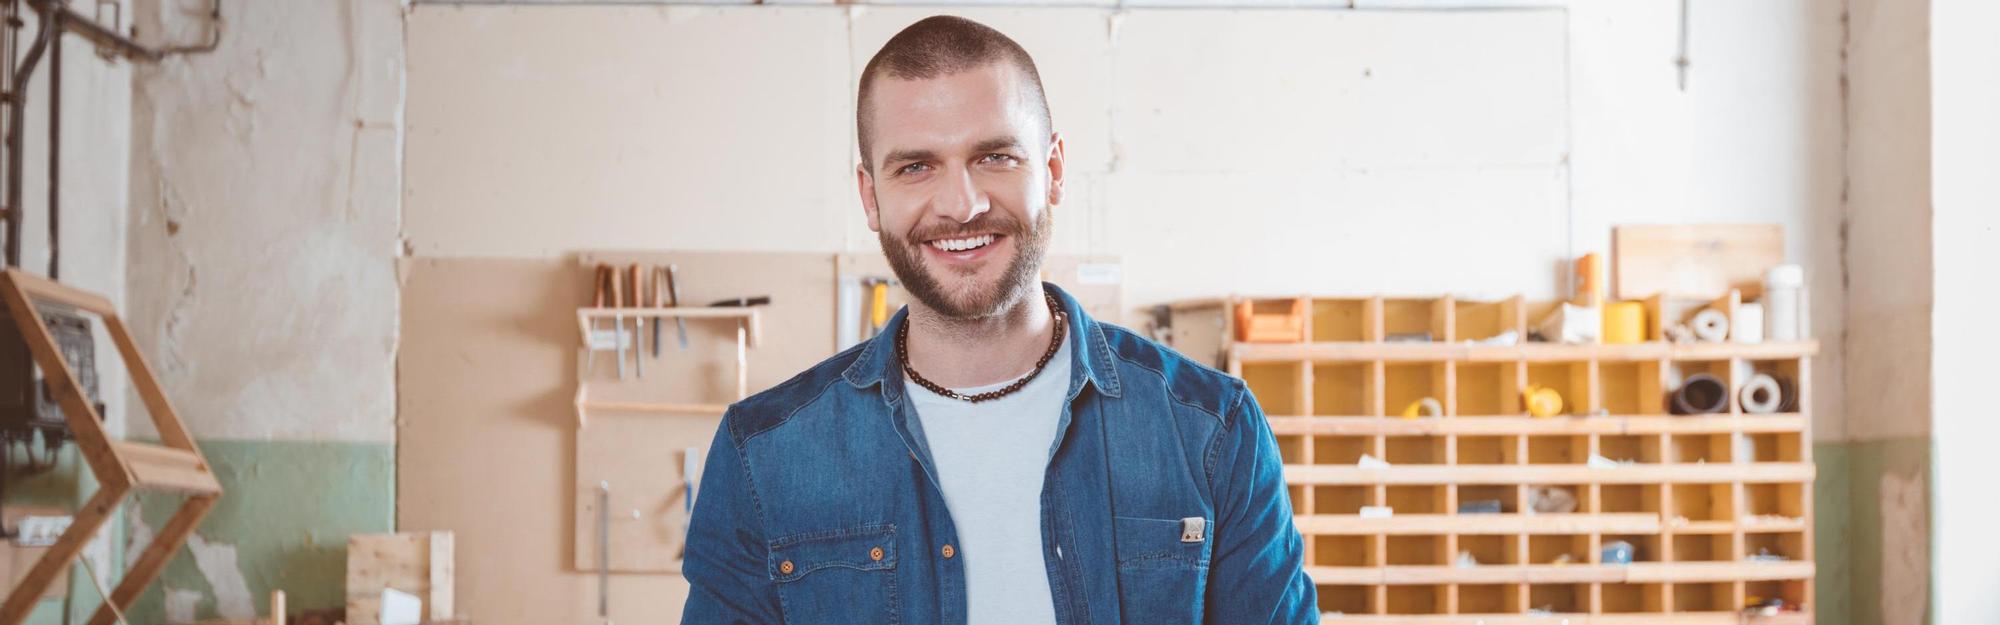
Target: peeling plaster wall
x=264, y=220
x=1887, y=235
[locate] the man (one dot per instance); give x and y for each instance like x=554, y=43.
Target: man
x=995, y=456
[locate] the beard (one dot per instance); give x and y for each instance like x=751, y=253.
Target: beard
x=972, y=300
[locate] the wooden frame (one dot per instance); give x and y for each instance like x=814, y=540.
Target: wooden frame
x=1693, y=500
x=120, y=467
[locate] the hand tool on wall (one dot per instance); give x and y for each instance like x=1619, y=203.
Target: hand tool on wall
x=658, y=300
x=618, y=318
x=604, y=551
x=603, y=281
x=638, y=323
x=742, y=302
x=674, y=299
x=878, y=304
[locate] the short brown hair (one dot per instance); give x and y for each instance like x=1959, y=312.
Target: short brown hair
x=941, y=45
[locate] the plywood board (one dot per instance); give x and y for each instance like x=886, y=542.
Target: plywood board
x=419, y=563
x=1694, y=261
x=15, y=560
x=640, y=455
x=486, y=439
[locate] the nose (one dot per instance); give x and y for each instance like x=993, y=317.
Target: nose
x=961, y=199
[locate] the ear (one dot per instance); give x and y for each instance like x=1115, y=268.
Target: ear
x=866, y=184
x=1055, y=168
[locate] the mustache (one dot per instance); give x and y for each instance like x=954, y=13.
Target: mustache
x=989, y=222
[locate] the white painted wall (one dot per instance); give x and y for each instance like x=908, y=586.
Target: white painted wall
x=1965, y=153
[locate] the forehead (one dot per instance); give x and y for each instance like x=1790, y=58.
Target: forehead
x=953, y=110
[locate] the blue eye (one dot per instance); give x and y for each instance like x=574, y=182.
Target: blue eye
x=998, y=158
x=911, y=168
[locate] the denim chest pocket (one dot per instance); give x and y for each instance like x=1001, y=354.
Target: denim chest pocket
x=1162, y=568
x=837, y=576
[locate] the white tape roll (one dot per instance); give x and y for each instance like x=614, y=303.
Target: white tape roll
x=1761, y=395
x=1749, y=324
x=1710, y=326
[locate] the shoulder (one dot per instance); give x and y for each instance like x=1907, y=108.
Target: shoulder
x=774, y=406
x=1183, y=379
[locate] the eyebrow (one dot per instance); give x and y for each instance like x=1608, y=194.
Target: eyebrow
x=990, y=145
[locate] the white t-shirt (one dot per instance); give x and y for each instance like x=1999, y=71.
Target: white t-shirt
x=990, y=459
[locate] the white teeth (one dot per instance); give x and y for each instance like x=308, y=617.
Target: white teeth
x=960, y=245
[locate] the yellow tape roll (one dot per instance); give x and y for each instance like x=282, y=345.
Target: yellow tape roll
x=1426, y=407
x=1542, y=401
x=1624, y=323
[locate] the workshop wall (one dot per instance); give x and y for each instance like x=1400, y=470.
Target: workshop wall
x=96, y=136
x=1283, y=151
x=264, y=222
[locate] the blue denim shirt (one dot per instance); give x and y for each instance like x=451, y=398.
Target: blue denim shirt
x=819, y=504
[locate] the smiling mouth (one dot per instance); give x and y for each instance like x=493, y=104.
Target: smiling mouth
x=963, y=244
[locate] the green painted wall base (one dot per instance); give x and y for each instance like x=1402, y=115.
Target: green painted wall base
x=286, y=511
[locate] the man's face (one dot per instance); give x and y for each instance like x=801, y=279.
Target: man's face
x=962, y=181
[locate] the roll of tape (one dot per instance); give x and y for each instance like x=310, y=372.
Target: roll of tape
x=1710, y=326
x=1426, y=407
x=1701, y=393
x=1542, y=401
x=1761, y=395
x=1624, y=323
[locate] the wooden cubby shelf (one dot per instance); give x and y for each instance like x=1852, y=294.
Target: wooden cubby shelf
x=1481, y=510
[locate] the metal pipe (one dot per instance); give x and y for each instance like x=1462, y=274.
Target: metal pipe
x=87, y=27
x=55, y=145
x=17, y=117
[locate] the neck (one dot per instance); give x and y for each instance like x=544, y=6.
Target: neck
x=964, y=353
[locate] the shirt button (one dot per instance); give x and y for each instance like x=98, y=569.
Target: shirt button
x=875, y=554
x=948, y=551
x=785, y=567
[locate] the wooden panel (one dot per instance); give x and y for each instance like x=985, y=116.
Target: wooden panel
x=1694, y=261
x=15, y=560
x=419, y=563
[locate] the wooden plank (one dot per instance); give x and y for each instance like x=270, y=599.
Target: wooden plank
x=164, y=468
x=16, y=560
x=1481, y=524
x=1693, y=261
x=47, y=290
x=1671, y=473
x=1504, y=426
x=22, y=598
x=419, y=563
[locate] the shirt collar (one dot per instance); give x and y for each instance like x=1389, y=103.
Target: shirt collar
x=1090, y=354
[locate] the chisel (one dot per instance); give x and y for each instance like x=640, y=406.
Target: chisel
x=674, y=299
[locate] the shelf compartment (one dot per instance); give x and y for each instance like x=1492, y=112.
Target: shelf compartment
x=1558, y=449
x=1507, y=494
x=1790, y=545
x=1479, y=321
x=1559, y=598
x=1345, y=599
x=1580, y=493
x=1550, y=474
x=1417, y=599
x=1340, y=319
x=1572, y=380
x=1405, y=384
x=1490, y=599
x=1329, y=500
x=1491, y=549
x=1291, y=448
x=1488, y=389
x=1488, y=450
x=1785, y=499
x=1793, y=592
x=1703, y=548
x=1645, y=547
x=1412, y=316
x=1343, y=389
x=1409, y=450
x=1481, y=524
x=1417, y=499
x=1774, y=447
x=1277, y=386
x=1694, y=448
x=1296, y=494
x=1552, y=548
x=1703, y=502
x=1632, y=598
x=1632, y=387
x=1787, y=373
x=1682, y=370
x=1629, y=498
x=1636, y=448
x=1705, y=597
x=1344, y=551
x=1341, y=450
x=1417, y=550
